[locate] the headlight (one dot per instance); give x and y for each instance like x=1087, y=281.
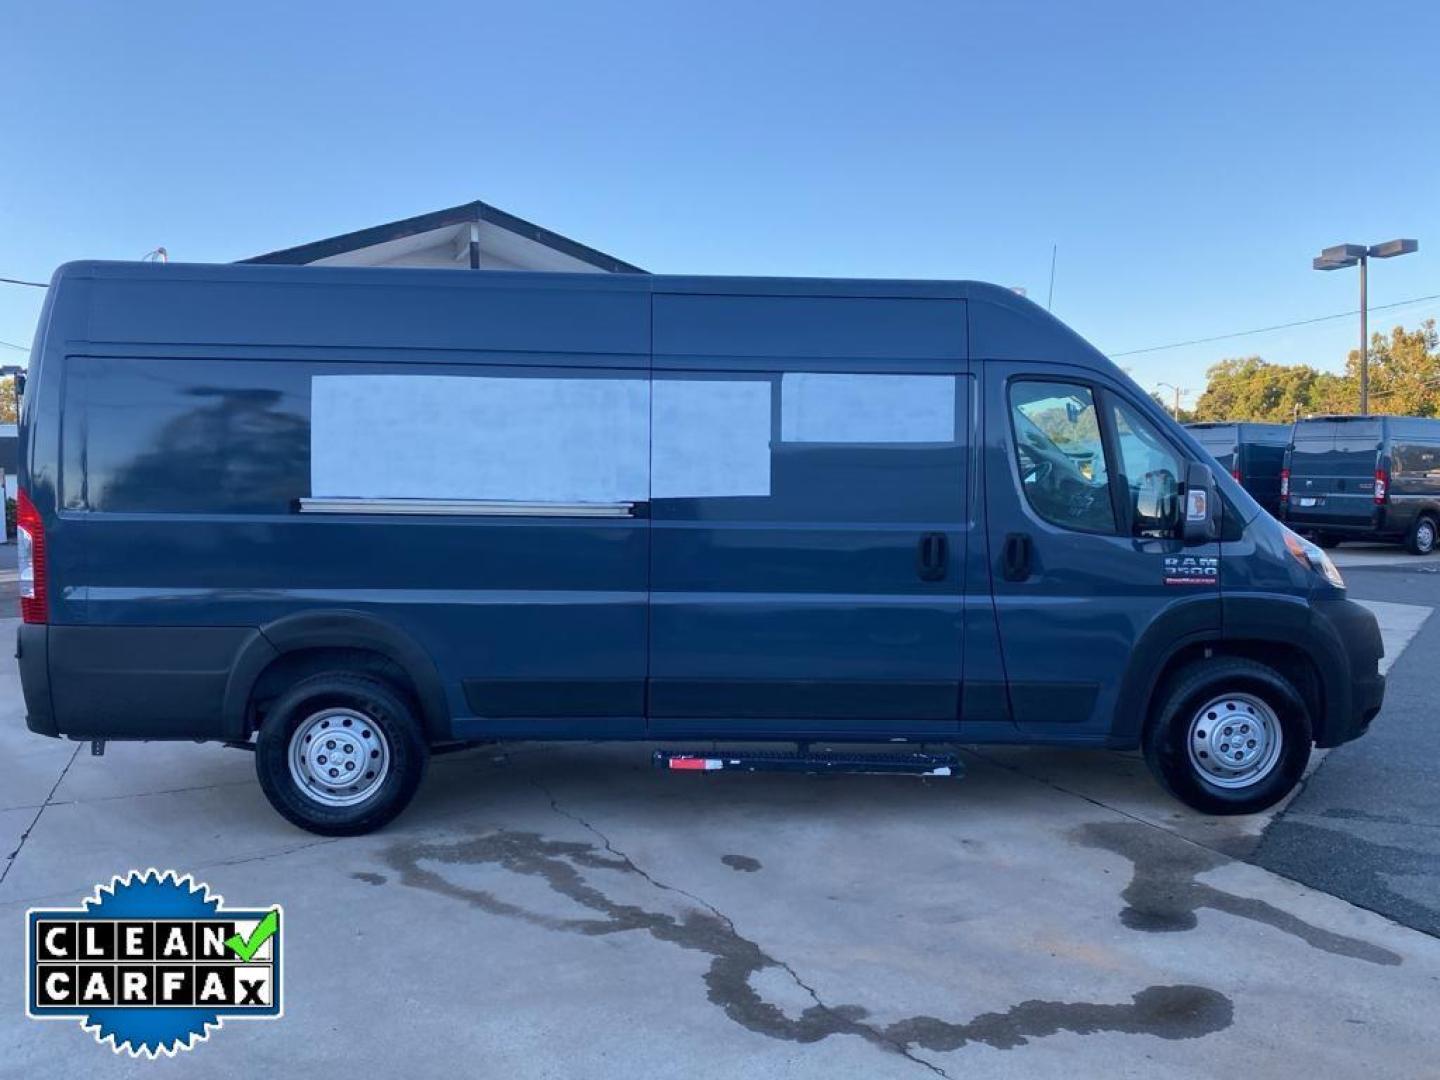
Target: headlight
x=1312, y=557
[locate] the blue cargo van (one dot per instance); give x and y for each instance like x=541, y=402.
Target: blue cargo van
x=1254, y=454
x=1365, y=478
x=346, y=518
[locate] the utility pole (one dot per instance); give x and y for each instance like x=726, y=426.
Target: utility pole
x=1178, y=392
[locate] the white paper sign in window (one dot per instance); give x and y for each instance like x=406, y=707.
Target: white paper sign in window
x=817, y=408
x=479, y=437
x=711, y=439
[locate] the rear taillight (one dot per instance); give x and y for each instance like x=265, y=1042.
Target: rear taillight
x=1284, y=484
x=1382, y=486
x=30, y=538
x=1239, y=477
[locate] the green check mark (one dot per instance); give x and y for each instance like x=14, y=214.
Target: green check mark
x=246, y=948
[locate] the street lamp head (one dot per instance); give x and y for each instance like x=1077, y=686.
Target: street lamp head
x=1391, y=248
x=1340, y=252
x=1322, y=263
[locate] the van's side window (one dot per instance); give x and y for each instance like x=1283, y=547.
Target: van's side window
x=1061, y=456
x=1151, y=471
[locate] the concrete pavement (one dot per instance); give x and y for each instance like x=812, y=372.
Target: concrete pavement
x=566, y=911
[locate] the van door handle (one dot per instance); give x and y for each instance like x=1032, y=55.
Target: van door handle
x=1016, y=557
x=930, y=557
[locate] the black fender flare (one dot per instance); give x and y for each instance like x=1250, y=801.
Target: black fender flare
x=335, y=629
x=1192, y=621
x=1256, y=619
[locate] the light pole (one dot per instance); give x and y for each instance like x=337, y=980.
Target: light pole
x=1333, y=258
x=1178, y=392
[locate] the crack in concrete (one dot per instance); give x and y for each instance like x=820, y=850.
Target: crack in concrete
x=1169, y=1012
x=14, y=855
x=869, y=1032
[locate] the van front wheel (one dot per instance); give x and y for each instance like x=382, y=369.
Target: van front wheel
x=1230, y=736
x=340, y=754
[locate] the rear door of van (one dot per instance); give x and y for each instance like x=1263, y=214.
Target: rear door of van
x=1260, y=456
x=808, y=513
x=1332, y=472
x=1087, y=577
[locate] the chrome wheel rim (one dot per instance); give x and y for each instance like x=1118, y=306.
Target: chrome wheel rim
x=1235, y=740
x=338, y=757
x=1425, y=536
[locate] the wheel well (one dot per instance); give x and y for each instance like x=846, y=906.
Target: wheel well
x=1289, y=660
x=290, y=667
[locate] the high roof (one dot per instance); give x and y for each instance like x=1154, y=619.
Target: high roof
x=474, y=234
x=140, y=303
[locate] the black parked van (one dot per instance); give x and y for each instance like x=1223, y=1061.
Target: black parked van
x=1365, y=478
x=1254, y=454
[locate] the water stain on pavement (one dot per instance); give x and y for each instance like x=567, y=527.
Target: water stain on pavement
x=1398, y=881
x=1163, y=894
x=1170, y=1012
x=743, y=863
x=1167, y=1012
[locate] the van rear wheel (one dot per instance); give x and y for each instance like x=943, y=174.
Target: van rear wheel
x=340, y=754
x=1423, y=536
x=1230, y=736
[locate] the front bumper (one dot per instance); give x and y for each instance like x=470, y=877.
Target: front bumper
x=1356, y=690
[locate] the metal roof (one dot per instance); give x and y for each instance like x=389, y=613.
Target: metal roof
x=477, y=212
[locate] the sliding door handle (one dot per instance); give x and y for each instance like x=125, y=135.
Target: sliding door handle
x=1016, y=557
x=930, y=557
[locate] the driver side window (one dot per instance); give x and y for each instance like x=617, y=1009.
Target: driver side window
x=1061, y=456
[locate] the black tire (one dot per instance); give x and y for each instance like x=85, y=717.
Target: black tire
x=1167, y=737
x=384, y=714
x=1423, y=536
x=1327, y=540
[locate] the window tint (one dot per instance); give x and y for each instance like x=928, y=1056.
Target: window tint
x=185, y=435
x=1062, y=460
x=1151, y=473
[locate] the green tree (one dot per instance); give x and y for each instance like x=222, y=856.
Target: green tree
x=1404, y=371
x=1248, y=388
x=1404, y=381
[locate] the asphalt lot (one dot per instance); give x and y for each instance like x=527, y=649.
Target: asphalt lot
x=1366, y=825
x=566, y=911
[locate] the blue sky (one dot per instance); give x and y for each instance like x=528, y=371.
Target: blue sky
x=1186, y=159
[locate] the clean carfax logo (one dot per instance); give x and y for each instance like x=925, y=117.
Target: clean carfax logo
x=151, y=962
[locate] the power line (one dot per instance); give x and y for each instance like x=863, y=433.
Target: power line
x=18, y=281
x=1423, y=383
x=1277, y=326
x=12, y=345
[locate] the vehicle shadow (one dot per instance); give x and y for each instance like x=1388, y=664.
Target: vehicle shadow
x=617, y=780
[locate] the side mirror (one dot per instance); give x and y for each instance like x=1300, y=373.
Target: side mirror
x=1157, y=502
x=1198, y=525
